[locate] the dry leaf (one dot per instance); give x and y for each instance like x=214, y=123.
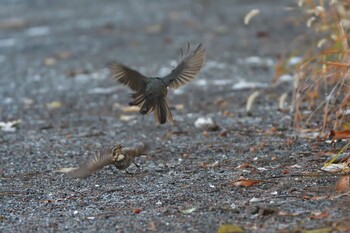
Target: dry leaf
x=14, y=23
x=251, y=100
x=243, y=182
x=250, y=15
x=188, y=211
x=339, y=158
x=49, y=61
x=284, y=213
x=245, y=165
x=179, y=107
x=54, y=105
x=230, y=228
x=137, y=211
x=333, y=135
x=131, y=109
x=154, y=28
x=127, y=117
x=63, y=55
x=9, y=126
x=206, y=165
x=223, y=133
x=76, y=72
x=65, y=169
x=321, y=230
x=333, y=168
x=319, y=215
x=343, y=184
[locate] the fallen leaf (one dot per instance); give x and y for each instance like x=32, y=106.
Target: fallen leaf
x=343, y=226
x=206, y=123
x=245, y=165
x=152, y=226
x=54, y=105
x=188, y=211
x=179, y=107
x=49, y=61
x=14, y=23
x=333, y=168
x=317, y=198
x=223, y=133
x=230, y=228
x=127, y=117
x=330, y=163
x=137, y=211
x=76, y=72
x=65, y=169
x=339, y=158
x=63, y=55
x=262, y=34
x=243, y=182
x=255, y=199
x=9, y=126
x=319, y=215
x=338, y=135
x=131, y=109
x=321, y=230
x=205, y=133
x=343, y=184
x=284, y=213
x=209, y=165
x=154, y=28
x=250, y=15
x=251, y=100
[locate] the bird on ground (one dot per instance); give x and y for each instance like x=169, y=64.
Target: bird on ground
x=120, y=157
x=150, y=92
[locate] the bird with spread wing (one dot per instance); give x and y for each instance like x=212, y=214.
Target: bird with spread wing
x=150, y=92
x=120, y=157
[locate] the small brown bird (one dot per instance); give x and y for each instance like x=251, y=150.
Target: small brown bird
x=120, y=157
x=150, y=93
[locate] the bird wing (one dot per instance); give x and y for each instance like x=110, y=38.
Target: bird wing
x=187, y=69
x=136, y=149
x=93, y=164
x=129, y=77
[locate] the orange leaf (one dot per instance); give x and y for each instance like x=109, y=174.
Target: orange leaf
x=137, y=211
x=345, y=134
x=245, y=165
x=319, y=215
x=285, y=172
x=245, y=182
x=343, y=184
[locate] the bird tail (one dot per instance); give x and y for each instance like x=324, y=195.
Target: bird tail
x=149, y=103
x=162, y=112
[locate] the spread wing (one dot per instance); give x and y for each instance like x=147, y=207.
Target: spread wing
x=137, y=149
x=187, y=69
x=129, y=77
x=93, y=164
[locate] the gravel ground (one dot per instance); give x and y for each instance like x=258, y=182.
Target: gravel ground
x=54, y=80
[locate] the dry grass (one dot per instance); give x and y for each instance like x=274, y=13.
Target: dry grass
x=322, y=77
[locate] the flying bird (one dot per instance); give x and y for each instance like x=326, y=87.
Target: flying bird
x=120, y=157
x=150, y=92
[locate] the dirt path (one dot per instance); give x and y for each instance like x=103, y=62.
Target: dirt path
x=53, y=79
